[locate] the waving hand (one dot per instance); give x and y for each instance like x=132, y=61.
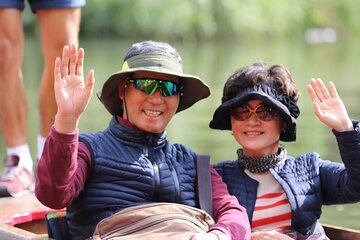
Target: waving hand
x=328, y=106
x=71, y=93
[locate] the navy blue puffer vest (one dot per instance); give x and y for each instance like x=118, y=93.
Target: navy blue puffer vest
x=130, y=167
x=308, y=181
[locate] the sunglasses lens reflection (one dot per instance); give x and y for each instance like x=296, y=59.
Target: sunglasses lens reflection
x=262, y=112
x=150, y=86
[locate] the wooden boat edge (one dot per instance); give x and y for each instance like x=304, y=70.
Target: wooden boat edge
x=29, y=223
x=17, y=232
x=341, y=233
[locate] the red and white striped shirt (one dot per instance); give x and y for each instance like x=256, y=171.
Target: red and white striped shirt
x=272, y=209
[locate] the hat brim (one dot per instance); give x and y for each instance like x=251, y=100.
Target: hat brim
x=194, y=89
x=222, y=115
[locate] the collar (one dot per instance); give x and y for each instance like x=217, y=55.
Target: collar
x=130, y=135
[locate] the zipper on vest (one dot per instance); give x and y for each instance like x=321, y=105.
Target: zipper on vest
x=176, y=181
x=156, y=173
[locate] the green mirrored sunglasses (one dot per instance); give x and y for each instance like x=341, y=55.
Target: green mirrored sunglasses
x=149, y=86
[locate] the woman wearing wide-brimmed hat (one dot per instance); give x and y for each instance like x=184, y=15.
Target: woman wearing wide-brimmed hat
x=281, y=192
x=131, y=162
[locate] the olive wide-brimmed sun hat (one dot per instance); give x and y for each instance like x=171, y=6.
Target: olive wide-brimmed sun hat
x=153, y=57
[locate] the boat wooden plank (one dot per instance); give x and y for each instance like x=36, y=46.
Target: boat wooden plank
x=23, y=218
x=10, y=206
x=14, y=233
x=341, y=233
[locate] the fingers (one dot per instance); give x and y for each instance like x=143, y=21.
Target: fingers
x=333, y=90
x=65, y=61
x=317, y=94
x=318, y=91
x=90, y=82
x=72, y=61
x=80, y=62
x=57, y=69
x=312, y=93
x=73, y=57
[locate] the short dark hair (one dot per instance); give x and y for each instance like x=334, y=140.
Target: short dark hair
x=277, y=76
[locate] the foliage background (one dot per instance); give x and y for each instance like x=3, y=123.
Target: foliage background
x=213, y=19
x=221, y=34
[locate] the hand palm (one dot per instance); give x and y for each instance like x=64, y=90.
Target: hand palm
x=330, y=110
x=72, y=95
x=329, y=107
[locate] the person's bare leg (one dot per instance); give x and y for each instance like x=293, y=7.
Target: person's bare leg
x=17, y=175
x=13, y=103
x=58, y=27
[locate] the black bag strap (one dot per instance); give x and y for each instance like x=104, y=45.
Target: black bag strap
x=203, y=178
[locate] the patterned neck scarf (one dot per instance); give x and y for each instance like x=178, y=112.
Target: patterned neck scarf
x=264, y=163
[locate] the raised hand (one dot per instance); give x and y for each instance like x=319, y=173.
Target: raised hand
x=328, y=106
x=71, y=93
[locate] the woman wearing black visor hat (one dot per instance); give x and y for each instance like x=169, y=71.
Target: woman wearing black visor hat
x=280, y=192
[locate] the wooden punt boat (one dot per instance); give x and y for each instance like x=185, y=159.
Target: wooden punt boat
x=341, y=233
x=24, y=218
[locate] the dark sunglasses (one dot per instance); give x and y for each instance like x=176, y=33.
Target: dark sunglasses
x=149, y=86
x=262, y=112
